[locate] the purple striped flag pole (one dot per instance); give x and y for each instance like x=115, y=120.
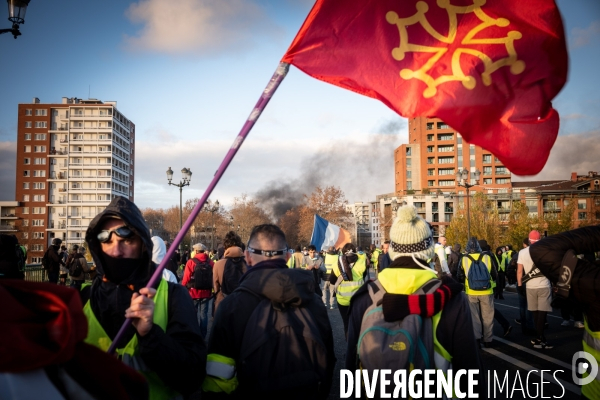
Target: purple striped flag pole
x=272, y=86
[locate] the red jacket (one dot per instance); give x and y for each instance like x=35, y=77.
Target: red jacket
x=188, y=273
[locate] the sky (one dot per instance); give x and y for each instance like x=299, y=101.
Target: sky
x=188, y=74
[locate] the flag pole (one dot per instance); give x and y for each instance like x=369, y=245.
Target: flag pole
x=266, y=95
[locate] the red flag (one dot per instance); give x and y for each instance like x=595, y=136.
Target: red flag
x=487, y=68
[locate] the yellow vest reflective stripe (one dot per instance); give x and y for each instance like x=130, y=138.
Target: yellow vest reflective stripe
x=408, y=281
x=346, y=289
x=129, y=354
x=331, y=261
x=375, y=257
x=591, y=344
x=466, y=263
x=500, y=263
x=220, y=374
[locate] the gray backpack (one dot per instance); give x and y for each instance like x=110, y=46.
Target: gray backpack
x=405, y=344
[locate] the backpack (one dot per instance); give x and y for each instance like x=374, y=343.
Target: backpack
x=74, y=267
x=282, y=351
x=232, y=273
x=46, y=260
x=203, y=275
x=478, y=276
x=397, y=345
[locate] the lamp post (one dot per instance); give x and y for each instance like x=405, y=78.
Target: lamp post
x=186, y=174
x=16, y=15
x=212, y=209
x=462, y=179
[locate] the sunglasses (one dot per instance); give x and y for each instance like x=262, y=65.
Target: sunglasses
x=267, y=253
x=122, y=232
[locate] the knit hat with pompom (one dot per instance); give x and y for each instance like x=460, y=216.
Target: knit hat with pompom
x=410, y=234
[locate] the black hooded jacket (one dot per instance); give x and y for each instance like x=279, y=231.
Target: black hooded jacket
x=178, y=355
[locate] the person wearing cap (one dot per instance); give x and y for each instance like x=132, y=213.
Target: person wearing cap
x=201, y=297
x=163, y=342
x=538, y=291
x=411, y=245
x=481, y=302
x=79, y=258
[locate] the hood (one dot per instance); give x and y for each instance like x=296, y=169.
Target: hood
x=456, y=248
x=234, y=252
x=159, y=250
x=499, y=249
x=483, y=245
x=292, y=287
x=473, y=246
x=127, y=211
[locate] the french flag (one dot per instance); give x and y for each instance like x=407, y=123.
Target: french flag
x=326, y=234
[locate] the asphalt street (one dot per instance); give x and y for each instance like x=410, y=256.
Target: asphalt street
x=513, y=355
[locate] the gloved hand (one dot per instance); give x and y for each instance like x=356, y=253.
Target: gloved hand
x=521, y=290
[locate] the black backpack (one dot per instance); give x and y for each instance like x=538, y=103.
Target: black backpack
x=232, y=273
x=74, y=267
x=203, y=275
x=282, y=352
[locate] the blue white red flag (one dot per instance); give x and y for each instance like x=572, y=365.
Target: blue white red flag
x=326, y=234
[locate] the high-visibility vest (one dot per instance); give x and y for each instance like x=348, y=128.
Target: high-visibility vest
x=346, y=289
x=408, y=281
x=331, y=261
x=501, y=265
x=466, y=263
x=591, y=344
x=129, y=354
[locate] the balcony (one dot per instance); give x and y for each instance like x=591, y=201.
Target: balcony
x=62, y=190
x=61, y=225
x=54, y=152
x=551, y=209
x=60, y=175
x=4, y=228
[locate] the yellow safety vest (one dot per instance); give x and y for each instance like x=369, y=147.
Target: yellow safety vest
x=591, y=344
x=501, y=265
x=129, y=354
x=331, y=261
x=466, y=263
x=408, y=281
x=375, y=258
x=346, y=289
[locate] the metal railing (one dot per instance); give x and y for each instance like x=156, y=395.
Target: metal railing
x=37, y=273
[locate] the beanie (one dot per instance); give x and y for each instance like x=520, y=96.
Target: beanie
x=410, y=235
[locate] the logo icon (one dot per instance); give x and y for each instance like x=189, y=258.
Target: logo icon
x=584, y=362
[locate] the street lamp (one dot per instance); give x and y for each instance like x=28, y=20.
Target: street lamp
x=462, y=179
x=212, y=209
x=186, y=174
x=16, y=15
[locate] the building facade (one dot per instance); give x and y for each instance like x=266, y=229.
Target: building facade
x=73, y=157
x=433, y=155
x=8, y=217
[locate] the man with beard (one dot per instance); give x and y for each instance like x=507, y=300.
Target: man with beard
x=164, y=341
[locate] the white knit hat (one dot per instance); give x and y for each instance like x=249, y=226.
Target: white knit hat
x=410, y=234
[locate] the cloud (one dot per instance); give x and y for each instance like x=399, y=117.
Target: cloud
x=195, y=26
x=582, y=37
x=8, y=160
x=571, y=153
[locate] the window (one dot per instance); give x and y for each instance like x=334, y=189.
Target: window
x=446, y=182
x=408, y=151
x=38, y=235
x=445, y=160
x=581, y=205
x=409, y=185
x=487, y=158
x=39, y=161
x=502, y=181
x=25, y=222
x=446, y=136
x=430, y=183
x=496, y=160
x=40, y=136
x=487, y=170
x=501, y=171
x=28, y=111
x=41, y=124
x=581, y=215
x=408, y=174
x=39, y=149
x=39, y=173
x=408, y=162
x=41, y=112
x=420, y=206
x=26, y=173
x=472, y=161
x=445, y=149
x=25, y=210
x=25, y=235
x=430, y=149
x=27, y=149
x=37, y=222
x=430, y=138
x=27, y=161
x=430, y=160
x=28, y=136
x=25, y=185
x=39, y=197
x=25, y=197
x=443, y=125
x=446, y=171
x=487, y=181
x=429, y=126
x=431, y=172
x=39, y=185
x=27, y=124
x=471, y=149
x=39, y=210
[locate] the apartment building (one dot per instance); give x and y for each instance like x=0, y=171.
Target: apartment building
x=8, y=217
x=73, y=157
x=433, y=155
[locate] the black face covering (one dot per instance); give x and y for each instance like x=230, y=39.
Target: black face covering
x=118, y=270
